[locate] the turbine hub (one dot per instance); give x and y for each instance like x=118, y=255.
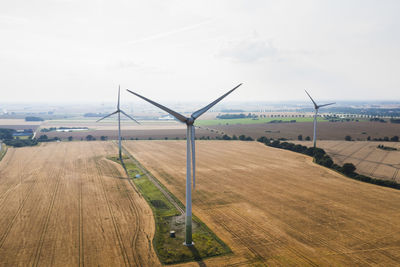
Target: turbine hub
x=190, y=121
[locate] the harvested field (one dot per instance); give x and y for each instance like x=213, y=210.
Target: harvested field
x=326, y=130
x=368, y=159
x=277, y=207
x=65, y=204
x=19, y=124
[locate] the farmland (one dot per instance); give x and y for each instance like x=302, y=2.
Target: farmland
x=65, y=204
x=130, y=130
x=326, y=130
x=254, y=121
x=277, y=207
x=368, y=159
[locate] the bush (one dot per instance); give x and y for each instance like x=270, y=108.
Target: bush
x=226, y=137
x=90, y=138
x=308, y=138
x=300, y=137
x=347, y=138
x=6, y=134
x=348, y=168
x=20, y=142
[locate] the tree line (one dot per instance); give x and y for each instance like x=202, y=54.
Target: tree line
x=321, y=158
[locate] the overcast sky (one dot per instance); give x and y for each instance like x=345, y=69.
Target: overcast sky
x=67, y=50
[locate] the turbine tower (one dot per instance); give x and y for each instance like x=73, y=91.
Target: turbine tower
x=119, y=111
x=190, y=147
x=316, y=107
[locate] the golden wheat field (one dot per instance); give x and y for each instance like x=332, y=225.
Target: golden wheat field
x=277, y=207
x=366, y=156
x=65, y=204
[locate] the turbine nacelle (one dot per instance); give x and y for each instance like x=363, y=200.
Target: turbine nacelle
x=190, y=121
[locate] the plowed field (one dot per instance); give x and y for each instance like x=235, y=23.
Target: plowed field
x=65, y=204
x=368, y=159
x=277, y=207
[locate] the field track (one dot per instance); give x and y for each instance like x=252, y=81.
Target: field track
x=65, y=204
x=368, y=159
x=277, y=207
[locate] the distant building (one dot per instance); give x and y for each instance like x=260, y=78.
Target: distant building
x=166, y=118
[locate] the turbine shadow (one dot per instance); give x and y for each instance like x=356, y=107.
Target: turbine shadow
x=197, y=256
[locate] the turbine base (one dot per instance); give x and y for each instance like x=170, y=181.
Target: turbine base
x=188, y=245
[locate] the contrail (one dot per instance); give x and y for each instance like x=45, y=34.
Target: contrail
x=165, y=34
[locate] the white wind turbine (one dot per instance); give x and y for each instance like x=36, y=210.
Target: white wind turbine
x=316, y=107
x=190, y=147
x=119, y=111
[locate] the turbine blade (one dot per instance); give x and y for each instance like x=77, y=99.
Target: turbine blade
x=192, y=137
x=315, y=104
x=198, y=113
x=123, y=112
x=107, y=116
x=119, y=94
x=173, y=113
x=325, y=105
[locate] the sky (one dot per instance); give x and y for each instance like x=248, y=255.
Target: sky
x=76, y=50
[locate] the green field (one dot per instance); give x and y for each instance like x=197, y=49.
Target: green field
x=253, y=121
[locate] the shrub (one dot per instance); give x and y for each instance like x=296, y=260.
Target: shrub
x=348, y=168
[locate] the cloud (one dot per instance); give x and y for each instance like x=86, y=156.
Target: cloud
x=248, y=50
x=12, y=20
x=168, y=33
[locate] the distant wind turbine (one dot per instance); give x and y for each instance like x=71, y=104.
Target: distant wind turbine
x=119, y=111
x=190, y=146
x=316, y=107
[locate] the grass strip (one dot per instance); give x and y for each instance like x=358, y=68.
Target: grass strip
x=3, y=150
x=167, y=218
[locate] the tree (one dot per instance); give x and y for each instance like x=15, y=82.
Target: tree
x=6, y=134
x=90, y=138
x=234, y=137
x=348, y=168
x=347, y=138
x=386, y=138
x=43, y=137
x=103, y=138
x=226, y=137
x=394, y=139
x=308, y=138
x=300, y=137
x=70, y=138
x=369, y=138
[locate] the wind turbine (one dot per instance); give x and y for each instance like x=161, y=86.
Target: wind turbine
x=190, y=147
x=316, y=107
x=119, y=111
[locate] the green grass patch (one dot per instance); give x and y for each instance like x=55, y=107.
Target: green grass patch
x=254, y=121
x=3, y=150
x=167, y=217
